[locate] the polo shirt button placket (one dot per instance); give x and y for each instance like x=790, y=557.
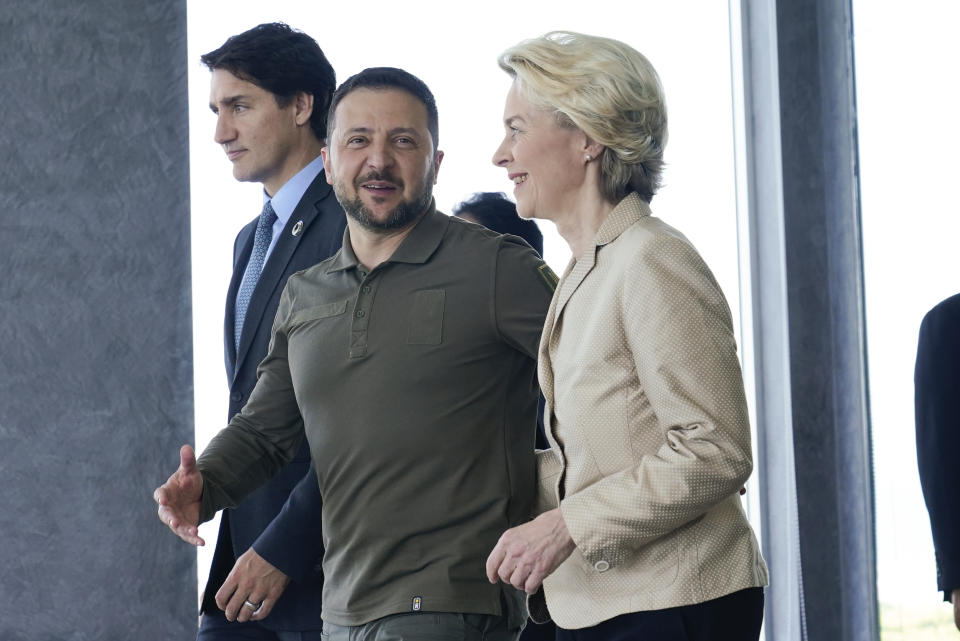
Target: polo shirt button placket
x=358, y=343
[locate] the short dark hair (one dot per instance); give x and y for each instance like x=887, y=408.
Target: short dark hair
x=390, y=78
x=495, y=211
x=283, y=61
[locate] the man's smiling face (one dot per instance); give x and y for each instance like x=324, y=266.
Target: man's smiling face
x=380, y=158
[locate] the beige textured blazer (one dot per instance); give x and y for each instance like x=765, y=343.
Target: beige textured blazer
x=648, y=424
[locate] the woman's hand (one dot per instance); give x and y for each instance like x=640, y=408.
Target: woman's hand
x=528, y=553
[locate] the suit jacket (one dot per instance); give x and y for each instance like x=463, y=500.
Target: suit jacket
x=648, y=426
x=321, y=222
x=937, y=404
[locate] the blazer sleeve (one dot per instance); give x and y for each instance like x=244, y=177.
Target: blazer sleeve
x=677, y=327
x=262, y=438
x=293, y=542
x=937, y=407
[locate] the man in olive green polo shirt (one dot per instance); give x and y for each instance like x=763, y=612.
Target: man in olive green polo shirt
x=408, y=361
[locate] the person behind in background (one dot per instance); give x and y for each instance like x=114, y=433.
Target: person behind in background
x=408, y=362
x=937, y=405
x=645, y=408
x=270, y=90
x=495, y=211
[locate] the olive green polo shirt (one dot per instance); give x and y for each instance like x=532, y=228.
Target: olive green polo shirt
x=415, y=386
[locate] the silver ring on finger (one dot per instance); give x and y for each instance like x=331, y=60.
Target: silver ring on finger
x=253, y=606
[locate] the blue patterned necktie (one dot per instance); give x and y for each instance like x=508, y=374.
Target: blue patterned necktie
x=261, y=242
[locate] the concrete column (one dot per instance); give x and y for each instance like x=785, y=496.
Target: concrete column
x=805, y=265
x=96, y=388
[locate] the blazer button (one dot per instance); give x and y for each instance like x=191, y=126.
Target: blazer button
x=236, y=397
x=601, y=566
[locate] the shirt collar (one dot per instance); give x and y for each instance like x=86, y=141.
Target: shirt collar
x=288, y=197
x=417, y=247
x=628, y=211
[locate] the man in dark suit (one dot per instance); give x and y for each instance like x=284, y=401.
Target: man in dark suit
x=270, y=90
x=937, y=399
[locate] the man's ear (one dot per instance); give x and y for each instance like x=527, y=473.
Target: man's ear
x=303, y=107
x=325, y=155
x=437, y=159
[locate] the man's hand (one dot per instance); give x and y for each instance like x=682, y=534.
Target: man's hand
x=528, y=553
x=253, y=581
x=179, y=498
x=955, y=597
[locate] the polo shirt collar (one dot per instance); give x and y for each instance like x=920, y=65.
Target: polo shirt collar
x=423, y=239
x=416, y=248
x=626, y=213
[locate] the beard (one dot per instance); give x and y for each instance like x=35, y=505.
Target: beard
x=402, y=216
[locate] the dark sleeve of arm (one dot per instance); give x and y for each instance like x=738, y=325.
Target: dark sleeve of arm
x=292, y=542
x=937, y=404
x=524, y=287
x=262, y=438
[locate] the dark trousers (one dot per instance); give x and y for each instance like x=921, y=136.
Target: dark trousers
x=215, y=627
x=734, y=617
x=539, y=631
x=424, y=626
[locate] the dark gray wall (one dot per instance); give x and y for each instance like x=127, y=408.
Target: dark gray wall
x=96, y=370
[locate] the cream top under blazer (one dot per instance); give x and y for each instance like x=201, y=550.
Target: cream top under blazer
x=648, y=426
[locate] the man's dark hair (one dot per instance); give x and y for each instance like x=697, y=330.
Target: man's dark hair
x=497, y=212
x=284, y=62
x=390, y=78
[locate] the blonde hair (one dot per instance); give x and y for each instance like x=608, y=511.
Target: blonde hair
x=609, y=91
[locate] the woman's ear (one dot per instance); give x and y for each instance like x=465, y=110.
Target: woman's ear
x=591, y=149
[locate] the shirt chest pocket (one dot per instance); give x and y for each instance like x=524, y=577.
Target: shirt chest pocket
x=425, y=323
x=318, y=312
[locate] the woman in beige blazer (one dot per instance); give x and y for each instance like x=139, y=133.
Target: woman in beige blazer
x=643, y=534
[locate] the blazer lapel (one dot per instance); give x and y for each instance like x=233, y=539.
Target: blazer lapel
x=580, y=269
x=627, y=212
x=572, y=277
x=275, y=268
x=545, y=373
x=576, y=272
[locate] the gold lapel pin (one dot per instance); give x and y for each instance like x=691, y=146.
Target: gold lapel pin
x=297, y=228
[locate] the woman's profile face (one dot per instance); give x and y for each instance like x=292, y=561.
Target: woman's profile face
x=545, y=162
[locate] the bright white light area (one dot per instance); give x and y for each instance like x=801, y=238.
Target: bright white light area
x=454, y=48
x=907, y=102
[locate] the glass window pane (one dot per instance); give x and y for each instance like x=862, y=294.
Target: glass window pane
x=907, y=109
